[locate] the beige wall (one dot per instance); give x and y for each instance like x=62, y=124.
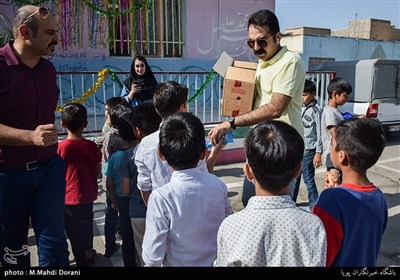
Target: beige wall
x=375, y=29
x=307, y=31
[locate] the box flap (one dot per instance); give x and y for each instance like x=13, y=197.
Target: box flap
x=240, y=74
x=245, y=64
x=222, y=64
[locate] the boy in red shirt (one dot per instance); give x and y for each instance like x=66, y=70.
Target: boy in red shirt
x=83, y=165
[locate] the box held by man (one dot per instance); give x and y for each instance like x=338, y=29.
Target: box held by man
x=238, y=88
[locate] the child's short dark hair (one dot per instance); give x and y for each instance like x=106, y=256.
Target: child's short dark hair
x=274, y=151
x=111, y=102
x=339, y=85
x=116, y=112
x=125, y=129
x=114, y=101
x=74, y=116
x=145, y=117
x=168, y=97
x=182, y=140
x=309, y=86
x=362, y=139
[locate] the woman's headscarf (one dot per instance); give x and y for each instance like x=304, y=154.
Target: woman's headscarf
x=147, y=78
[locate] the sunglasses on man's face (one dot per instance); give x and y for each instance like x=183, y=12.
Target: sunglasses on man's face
x=262, y=42
x=43, y=12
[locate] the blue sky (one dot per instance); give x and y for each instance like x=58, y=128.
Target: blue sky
x=334, y=14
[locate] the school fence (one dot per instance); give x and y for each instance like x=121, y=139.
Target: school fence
x=205, y=92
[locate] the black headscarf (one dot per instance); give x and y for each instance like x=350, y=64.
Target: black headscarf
x=148, y=78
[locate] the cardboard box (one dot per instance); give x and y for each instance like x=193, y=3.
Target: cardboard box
x=245, y=64
x=238, y=88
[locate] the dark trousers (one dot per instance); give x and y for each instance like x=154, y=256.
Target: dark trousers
x=110, y=224
x=39, y=195
x=128, y=244
x=248, y=191
x=79, y=228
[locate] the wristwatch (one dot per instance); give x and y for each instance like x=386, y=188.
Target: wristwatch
x=231, y=121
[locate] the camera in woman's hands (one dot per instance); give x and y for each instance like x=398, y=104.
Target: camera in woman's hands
x=139, y=83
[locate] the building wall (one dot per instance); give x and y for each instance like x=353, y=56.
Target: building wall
x=364, y=39
x=359, y=29
x=307, y=30
x=211, y=27
x=340, y=48
x=380, y=30
x=375, y=29
x=221, y=27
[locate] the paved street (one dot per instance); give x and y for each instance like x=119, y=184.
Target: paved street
x=385, y=174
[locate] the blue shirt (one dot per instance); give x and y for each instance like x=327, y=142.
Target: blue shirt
x=111, y=169
x=128, y=169
x=355, y=219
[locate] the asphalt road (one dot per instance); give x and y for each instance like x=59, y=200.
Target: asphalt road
x=385, y=174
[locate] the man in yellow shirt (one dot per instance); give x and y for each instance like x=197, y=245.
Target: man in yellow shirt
x=279, y=82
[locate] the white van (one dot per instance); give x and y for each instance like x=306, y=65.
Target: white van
x=376, y=88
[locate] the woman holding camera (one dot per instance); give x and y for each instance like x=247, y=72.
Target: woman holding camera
x=138, y=88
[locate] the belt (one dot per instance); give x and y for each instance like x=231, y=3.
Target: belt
x=29, y=166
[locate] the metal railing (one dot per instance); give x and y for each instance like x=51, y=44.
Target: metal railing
x=206, y=106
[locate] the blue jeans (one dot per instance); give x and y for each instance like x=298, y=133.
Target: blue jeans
x=39, y=195
x=308, y=172
x=249, y=190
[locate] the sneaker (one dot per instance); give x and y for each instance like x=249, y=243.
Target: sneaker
x=110, y=251
x=118, y=236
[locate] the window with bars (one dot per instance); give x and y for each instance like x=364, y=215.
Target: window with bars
x=153, y=30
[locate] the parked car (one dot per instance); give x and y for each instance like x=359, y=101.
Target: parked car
x=376, y=88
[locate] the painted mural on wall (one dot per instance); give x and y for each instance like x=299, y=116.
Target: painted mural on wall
x=211, y=28
x=222, y=28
